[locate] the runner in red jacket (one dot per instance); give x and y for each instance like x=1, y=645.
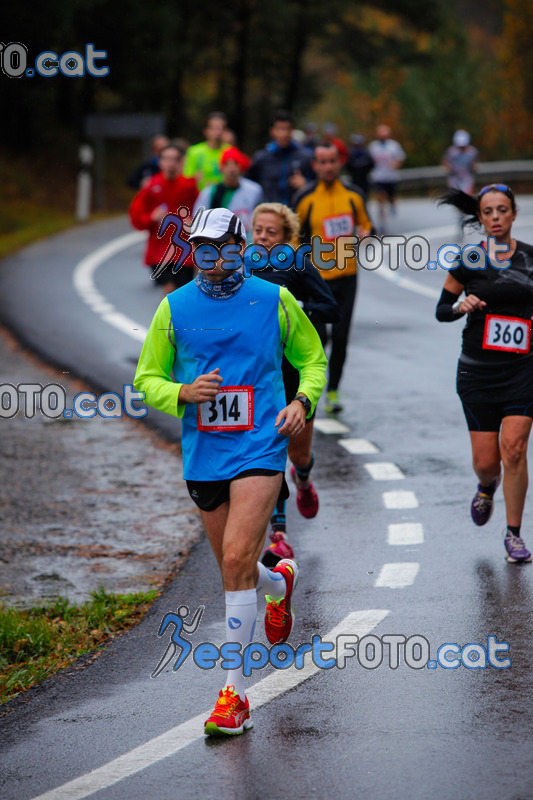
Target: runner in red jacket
x=165, y=192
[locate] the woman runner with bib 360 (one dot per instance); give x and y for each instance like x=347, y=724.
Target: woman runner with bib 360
x=495, y=370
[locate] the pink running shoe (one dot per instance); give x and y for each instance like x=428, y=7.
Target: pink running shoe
x=306, y=497
x=275, y=552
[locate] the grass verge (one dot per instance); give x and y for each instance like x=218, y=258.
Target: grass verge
x=38, y=196
x=36, y=643
x=47, y=224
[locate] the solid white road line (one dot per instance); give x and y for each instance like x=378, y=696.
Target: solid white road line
x=408, y=283
x=437, y=232
x=400, y=500
x=330, y=426
x=358, y=446
x=396, y=576
x=384, y=471
x=405, y=533
x=441, y=232
x=358, y=623
x=83, y=279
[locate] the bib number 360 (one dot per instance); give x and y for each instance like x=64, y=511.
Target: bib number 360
x=507, y=333
x=231, y=410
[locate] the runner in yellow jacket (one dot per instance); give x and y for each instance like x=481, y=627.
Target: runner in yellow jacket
x=332, y=208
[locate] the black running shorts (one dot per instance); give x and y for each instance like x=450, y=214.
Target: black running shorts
x=491, y=391
x=387, y=187
x=483, y=417
x=209, y=495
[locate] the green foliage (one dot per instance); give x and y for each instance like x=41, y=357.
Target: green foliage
x=184, y=59
x=410, y=61
x=439, y=97
x=37, y=642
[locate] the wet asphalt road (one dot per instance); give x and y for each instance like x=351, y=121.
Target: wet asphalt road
x=381, y=733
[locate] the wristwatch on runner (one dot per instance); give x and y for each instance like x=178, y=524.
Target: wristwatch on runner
x=305, y=401
x=455, y=309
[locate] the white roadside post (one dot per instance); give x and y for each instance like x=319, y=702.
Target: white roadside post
x=84, y=186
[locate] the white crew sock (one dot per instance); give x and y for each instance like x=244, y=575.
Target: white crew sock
x=241, y=612
x=271, y=583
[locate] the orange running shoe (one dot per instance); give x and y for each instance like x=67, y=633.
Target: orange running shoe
x=279, y=614
x=231, y=715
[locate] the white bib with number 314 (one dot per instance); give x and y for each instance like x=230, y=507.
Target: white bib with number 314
x=511, y=334
x=231, y=410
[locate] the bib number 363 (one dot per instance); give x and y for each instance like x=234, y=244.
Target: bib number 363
x=231, y=410
x=507, y=333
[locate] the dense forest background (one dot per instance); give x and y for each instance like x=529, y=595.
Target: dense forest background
x=426, y=67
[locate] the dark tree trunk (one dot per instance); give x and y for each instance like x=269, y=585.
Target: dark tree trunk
x=177, y=116
x=244, y=19
x=295, y=62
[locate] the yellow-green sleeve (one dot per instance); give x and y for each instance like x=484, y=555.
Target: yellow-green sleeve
x=190, y=166
x=154, y=370
x=302, y=347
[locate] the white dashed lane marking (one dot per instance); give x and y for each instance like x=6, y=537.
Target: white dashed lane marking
x=405, y=533
x=396, y=576
x=384, y=471
x=400, y=500
x=358, y=447
x=358, y=623
x=330, y=426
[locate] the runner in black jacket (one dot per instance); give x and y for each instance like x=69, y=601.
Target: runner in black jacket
x=282, y=167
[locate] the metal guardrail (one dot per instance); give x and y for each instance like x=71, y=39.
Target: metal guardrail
x=488, y=172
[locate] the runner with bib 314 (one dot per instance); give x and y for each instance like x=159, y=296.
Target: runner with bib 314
x=213, y=357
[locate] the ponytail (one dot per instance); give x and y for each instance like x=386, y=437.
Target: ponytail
x=464, y=203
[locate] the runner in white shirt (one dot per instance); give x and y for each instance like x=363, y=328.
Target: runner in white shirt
x=460, y=160
x=388, y=157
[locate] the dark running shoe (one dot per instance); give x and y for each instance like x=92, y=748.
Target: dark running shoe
x=483, y=503
x=517, y=552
